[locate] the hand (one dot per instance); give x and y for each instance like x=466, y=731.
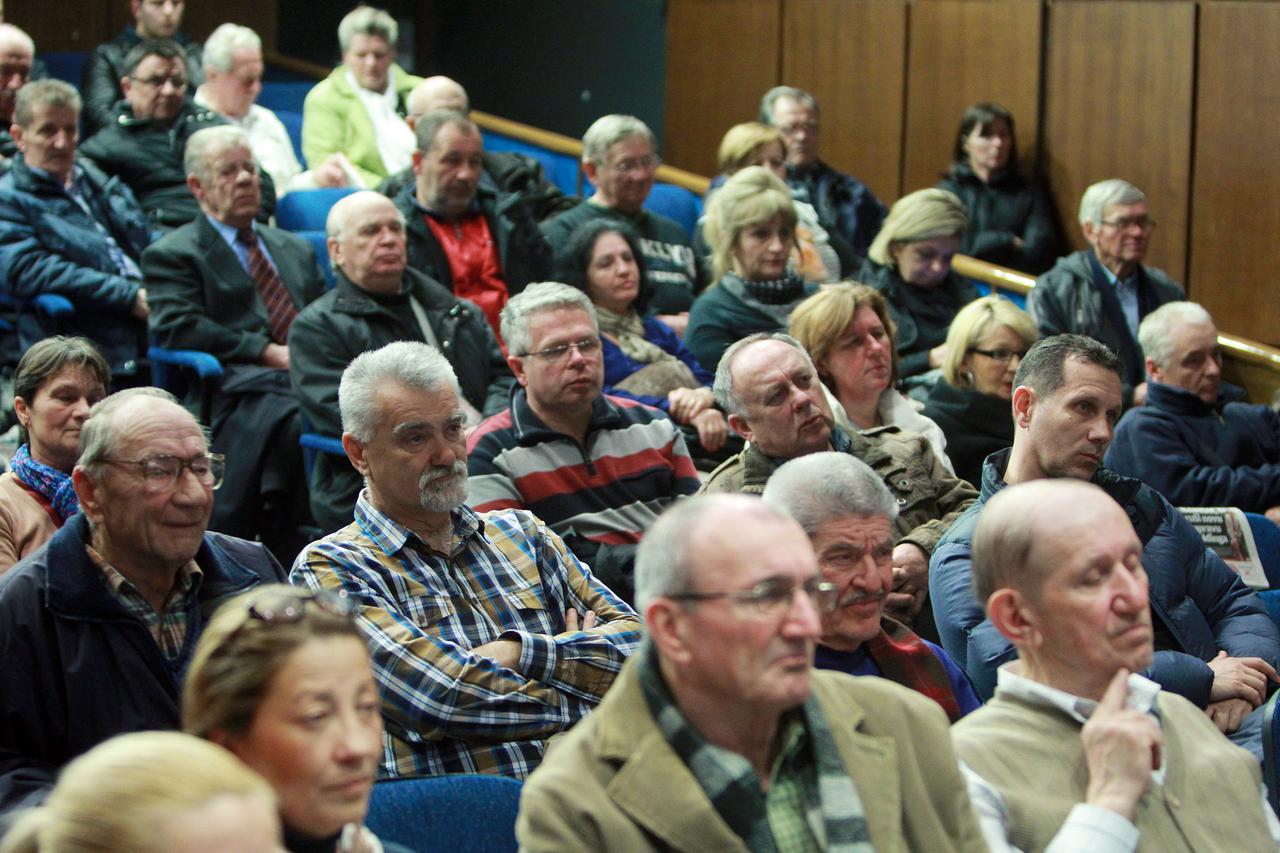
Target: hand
x=1140, y=394
x=140, y=308
x=571, y=621
x=1241, y=678
x=910, y=582
x=684, y=403
x=937, y=355
x=275, y=355
x=505, y=652
x=1121, y=747
x=1228, y=714
x=712, y=429
x=677, y=322
x=1018, y=242
x=330, y=173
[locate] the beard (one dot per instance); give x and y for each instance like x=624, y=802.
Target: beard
x=442, y=488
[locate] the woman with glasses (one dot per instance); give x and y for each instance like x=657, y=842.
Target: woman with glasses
x=848, y=334
x=750, y=226
x=56, y=384
x=971, y=404
x=1011, y=222
x=282, y=678
x=644, y=359
x=910, y=263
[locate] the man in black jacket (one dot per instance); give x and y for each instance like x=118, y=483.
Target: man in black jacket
x=97, y=627
x=379, y=300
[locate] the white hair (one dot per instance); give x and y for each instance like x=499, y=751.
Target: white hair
x=417, y=365
x=607, y=131
x=204, y=146
x=726, y=394
x=226, y=40
x=534, y=299
x=1155, y=330
x=1103, y=194
x=366, y=20
x=823, y=487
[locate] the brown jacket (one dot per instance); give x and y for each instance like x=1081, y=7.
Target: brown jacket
x=24, y=524
x=614, y=783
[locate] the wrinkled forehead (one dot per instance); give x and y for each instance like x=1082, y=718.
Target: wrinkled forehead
x=149, y=426
x=767, y=363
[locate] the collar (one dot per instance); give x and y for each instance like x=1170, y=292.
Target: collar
x=229, y=232
x=186, y=578
x=1180, y=401
x=390, y=95
x=530, y=429
x=390, y=536
x=1010, y=682
x=473, y=209
x=1113, y=279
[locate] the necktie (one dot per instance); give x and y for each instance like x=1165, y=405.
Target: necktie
x=275, y=297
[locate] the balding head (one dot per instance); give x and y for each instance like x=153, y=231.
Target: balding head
x=366, y=241
x=437, y=93
x=17, y=52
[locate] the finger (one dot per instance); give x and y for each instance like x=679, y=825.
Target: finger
x=1222, y=654
x=898, y=601
x=1117, y=691
x=589, y=621
x=570, y=620
x=1263, y=667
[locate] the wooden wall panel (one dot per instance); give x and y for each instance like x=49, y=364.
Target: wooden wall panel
x=79, y=25
x=1119, y=82
x=962, y=52
x=1235, y=215
x=722, y=55
x=851, y=54
x=202, y=18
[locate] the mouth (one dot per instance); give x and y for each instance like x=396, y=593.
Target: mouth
x=863, y=600
x=352, y=788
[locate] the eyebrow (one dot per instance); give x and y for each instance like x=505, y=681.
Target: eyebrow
x=410, y=426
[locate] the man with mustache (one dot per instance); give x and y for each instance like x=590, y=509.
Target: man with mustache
x=1215, y=644
x=848, y=514
x=1076, y=751
x=487, y=635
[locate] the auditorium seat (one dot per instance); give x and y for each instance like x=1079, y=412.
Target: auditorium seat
x=471, y=812
x=675, y=203
x=306, y=210
x=292, y=122
x=560, y=169
x=284, y=95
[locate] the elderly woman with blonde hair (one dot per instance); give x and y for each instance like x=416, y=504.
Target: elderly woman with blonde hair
x=910, y=263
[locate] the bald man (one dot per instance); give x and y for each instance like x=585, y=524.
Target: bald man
x=507, y=171
x=17, y=53
x=1076, y=751
x=377, y=300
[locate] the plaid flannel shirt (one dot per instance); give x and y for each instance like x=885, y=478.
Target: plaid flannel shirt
x=446, y=709
x=168, y=630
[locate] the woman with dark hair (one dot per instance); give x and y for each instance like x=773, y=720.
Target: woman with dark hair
x=644, y=359
x=1011, y=222
x=58, y=380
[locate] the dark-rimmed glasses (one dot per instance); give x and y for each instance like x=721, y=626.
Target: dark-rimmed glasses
x=773, y=596
x=1000, y=355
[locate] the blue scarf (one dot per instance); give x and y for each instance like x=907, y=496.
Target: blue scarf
x=50, y=482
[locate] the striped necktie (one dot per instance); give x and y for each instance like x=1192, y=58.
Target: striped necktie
x=275, y=297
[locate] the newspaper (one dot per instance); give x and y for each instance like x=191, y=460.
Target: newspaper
x=1226, y=530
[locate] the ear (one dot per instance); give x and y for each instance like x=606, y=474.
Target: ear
x=665, y=620
x=516, y=363
x=89, y=494
x=739, y=425
x=1024, y=403
x=1090, y=231
x=1015, y=618
x=193, y=184
x=23, y=411
x=126, y=84
x=335, y=251
x=355, y=452
x=417, y=162
x=410, y=120
x=1153, y=370
x=821, y=367
x=591, y=170
x=894, y=248
x=15, y=130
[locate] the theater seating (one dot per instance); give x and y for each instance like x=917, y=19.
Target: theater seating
x=306, y=210
x=475, y=813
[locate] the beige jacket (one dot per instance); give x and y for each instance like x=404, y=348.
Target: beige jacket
x=24, y=524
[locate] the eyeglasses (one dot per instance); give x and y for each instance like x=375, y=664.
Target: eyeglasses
x=161, y=472
x=587, y=347
x=773, y=597
x=286, y=608
x=1001, y=355
x=796, y=127
x=638, y=164
x=1142, y=222
x=158, y=81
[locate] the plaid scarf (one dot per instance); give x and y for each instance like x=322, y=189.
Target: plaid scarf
x=903, y=657
x=738, y=798
x=46, y=481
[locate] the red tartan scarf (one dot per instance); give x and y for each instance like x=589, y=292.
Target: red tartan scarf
x=903, y=657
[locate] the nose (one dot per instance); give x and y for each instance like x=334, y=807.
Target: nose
x=81, y=410
x=1101, y=430
x=443, y=453
x=189, y=491
x=357, y=740
x=1129, y=590
x=803, y=622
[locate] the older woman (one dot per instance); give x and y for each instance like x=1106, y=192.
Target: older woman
x=359, y=109
x=281, y=677
x=910, y=263
x=1010, y=219
x=971, y=404
x=58, y=380
x=148, y=792
x=848, y=333
x=750, y=227
x=644, y=359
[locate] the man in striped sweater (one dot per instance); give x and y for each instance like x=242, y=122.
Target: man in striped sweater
x=597, y=469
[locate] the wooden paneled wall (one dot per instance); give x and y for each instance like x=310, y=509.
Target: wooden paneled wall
x=72, y=25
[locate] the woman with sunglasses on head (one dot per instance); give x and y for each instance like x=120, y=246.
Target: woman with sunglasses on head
x=57, y=382
x=282, y=679
x=971, y=404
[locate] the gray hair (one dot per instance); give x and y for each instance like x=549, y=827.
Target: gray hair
x=8, y=32
x=100, y=437
x=417, y=365
x=726, y=394
x=42, y=94
x=367, y=21
x=607, y=131
x=226, y=40
x=430, y=125
x=1155, y=329
x=771, y=98
x=535, y=298
x=1103, y=194
x=335, y=224
x=823, y=487
x=205, y=145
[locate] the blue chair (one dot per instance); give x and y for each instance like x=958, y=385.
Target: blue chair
x=320, y=246
x=313, y=442
x=1270, y=772
x=65, y=65
x=675, y=203
x=293, y=124
x=187, y=373
x=277, y=95
x=1019, y=299
x=306, y=210
x=560, y=169
x=465, y=812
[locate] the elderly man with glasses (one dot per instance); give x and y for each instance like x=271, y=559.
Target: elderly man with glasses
x=597, y=469
x=96, y=627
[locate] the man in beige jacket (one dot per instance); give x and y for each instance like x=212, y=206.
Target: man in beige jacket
x=720, y=735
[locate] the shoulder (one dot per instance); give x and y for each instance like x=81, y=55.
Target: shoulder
x=1070, y=270
x=1167, y=289
x=249, y=556
x=727, y=477
x=328, y=90
x=181, y=239
x=885, y=704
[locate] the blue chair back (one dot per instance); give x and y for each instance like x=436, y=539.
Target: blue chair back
x=277, y=95
x=465, y=812
x=560, y=169
x=675, y=203
x=1019, y=299
x=293, y=125
x=65, y=65
x=321, y=249
x=306, y=210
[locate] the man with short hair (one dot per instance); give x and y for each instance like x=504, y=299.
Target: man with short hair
x=376, y=300
x=17, y=54
x=620, y=158
x=719, y=734
x=68, y=229
x=482, y=244
x=97, y=627
x=487, y=636
x=1215, y=643
x=848, y=515
x=1194, y=441
x=845, y=205
x=1104, y=291
x=1076, y=751
x=100, y=79
x=597, y=469
x=770, y=389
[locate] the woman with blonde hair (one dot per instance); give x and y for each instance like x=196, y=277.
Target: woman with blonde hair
x=971, y=404
x=910, y=263
x=750, y=227
x=149, y=792
x=848, y=334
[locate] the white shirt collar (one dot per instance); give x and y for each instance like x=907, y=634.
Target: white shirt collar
x=1010, y=681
